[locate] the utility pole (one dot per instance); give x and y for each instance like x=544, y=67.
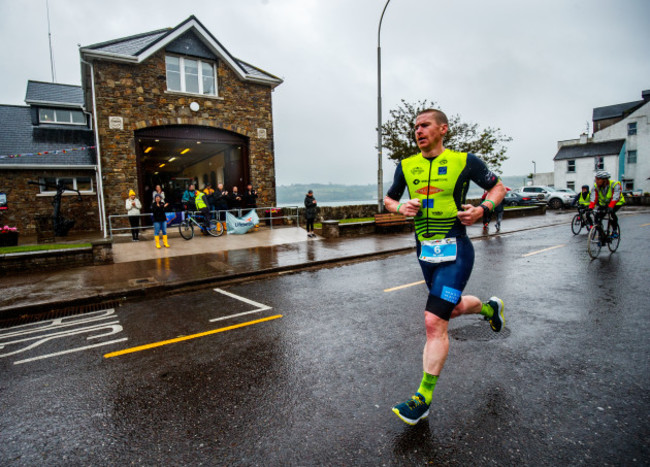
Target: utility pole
x=49, y=37
x=380, y=172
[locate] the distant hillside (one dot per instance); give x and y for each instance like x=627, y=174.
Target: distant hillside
x=336, y=193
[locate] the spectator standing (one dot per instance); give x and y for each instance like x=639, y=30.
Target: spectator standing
x=209, y=196
x=221, y=200
x=133, y=207
x=189, y=198
x=250, y=197
x=235, y=199
x=159, y=219
x=158, y=191
x=310, y=212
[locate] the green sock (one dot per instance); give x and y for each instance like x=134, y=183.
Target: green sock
x=427, y=386
x=487, y=310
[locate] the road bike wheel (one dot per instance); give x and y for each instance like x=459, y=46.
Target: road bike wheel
x=594, y=243
x=186, y=229
x=613, y=242
x=576, y=224
x=216, y=228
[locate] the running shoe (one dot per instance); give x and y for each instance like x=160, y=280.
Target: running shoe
x=413, y=410
x=498, y=319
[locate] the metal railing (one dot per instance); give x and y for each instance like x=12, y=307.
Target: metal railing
x=271, y=215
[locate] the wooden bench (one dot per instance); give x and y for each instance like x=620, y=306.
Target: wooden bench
x=389, y=220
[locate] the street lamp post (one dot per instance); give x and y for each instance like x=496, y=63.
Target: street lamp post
x=534, y=168
x=380, y=172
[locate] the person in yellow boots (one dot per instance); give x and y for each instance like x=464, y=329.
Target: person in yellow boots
x=159, y=220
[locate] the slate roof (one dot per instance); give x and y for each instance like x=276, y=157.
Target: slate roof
x=131, y=45
x=616, y=110
x=576, y=151
x=139, y=47
x=55, y=94
x=19, y=136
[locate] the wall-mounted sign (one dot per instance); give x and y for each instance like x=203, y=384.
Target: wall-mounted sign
x=194, y=106
x=3, y=202
x=261, y=133
x=116, y=123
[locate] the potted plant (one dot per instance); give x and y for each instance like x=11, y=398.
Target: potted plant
x=8, y=236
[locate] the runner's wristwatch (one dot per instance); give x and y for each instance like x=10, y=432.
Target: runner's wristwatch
x=485, y=208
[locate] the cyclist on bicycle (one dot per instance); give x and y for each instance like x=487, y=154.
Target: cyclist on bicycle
x=202, y=207
x=608, y=195
x=582, y=200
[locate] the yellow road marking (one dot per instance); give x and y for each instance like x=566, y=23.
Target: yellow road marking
x=186, y=338
x=392, y=289
x=542, y=251
x=644, y=225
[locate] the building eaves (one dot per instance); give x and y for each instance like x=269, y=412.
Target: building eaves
x=577, y=151
x=54, y=94
x=139, y=47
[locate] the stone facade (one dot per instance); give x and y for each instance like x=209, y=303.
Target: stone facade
x=26, y=203
x=138, y=93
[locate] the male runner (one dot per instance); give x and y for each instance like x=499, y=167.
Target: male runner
x=437, y=180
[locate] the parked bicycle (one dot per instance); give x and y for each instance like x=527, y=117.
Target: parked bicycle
x=601, y=235
x=186, y=227
x=580, y=220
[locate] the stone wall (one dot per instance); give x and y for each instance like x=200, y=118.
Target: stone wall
x=25, y=201
x=100, y=252
x=138, y=93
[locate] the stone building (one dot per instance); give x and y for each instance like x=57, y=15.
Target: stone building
x=172, y=106
x=43, y=144
x=620, y=144
x=168, y=107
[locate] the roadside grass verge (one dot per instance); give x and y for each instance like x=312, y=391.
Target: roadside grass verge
x=29, y=248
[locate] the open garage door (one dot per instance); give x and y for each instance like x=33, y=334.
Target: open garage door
x=174, y=156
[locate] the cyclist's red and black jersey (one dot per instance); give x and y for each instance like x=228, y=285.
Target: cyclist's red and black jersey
x=441, y=183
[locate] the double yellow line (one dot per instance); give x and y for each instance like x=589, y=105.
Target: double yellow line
x=187, y=338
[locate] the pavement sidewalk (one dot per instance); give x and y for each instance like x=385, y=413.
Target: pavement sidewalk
x=142, y=270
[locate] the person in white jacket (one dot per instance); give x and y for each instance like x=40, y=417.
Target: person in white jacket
x=133, y=207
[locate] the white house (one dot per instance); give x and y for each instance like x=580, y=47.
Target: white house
x=620, y=144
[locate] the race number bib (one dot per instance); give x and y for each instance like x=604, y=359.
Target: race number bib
x=438, y=251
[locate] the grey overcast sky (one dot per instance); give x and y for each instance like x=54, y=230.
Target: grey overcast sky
x=534, y=68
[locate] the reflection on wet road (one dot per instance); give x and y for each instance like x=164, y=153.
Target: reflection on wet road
x=564, y=384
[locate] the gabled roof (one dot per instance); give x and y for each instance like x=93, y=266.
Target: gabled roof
x=136, y=49
x=54, y=94
x=616, y=110
x=20, y=142
x=576, y=151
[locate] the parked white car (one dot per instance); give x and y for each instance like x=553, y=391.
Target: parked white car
x=555, y=199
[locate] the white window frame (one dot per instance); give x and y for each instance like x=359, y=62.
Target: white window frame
x=52, y=191
x=181, y=66
x=59, y=122
x=599, y=163
x=571, y=164
x=629, y=156
x=631, y=129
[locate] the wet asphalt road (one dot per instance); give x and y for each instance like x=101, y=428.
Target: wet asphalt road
x=564, y=384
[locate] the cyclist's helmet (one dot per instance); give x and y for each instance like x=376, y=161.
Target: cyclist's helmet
x=603, y=174
x=585, y=187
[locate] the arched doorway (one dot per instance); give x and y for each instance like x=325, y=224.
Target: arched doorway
x=174, y=156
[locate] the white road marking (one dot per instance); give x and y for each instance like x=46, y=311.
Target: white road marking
x=27, y=337
x=260, y=306
x=544, y=250
x=63, y=352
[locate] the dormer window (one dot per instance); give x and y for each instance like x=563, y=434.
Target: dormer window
x=61, y=116
x=191, y=75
